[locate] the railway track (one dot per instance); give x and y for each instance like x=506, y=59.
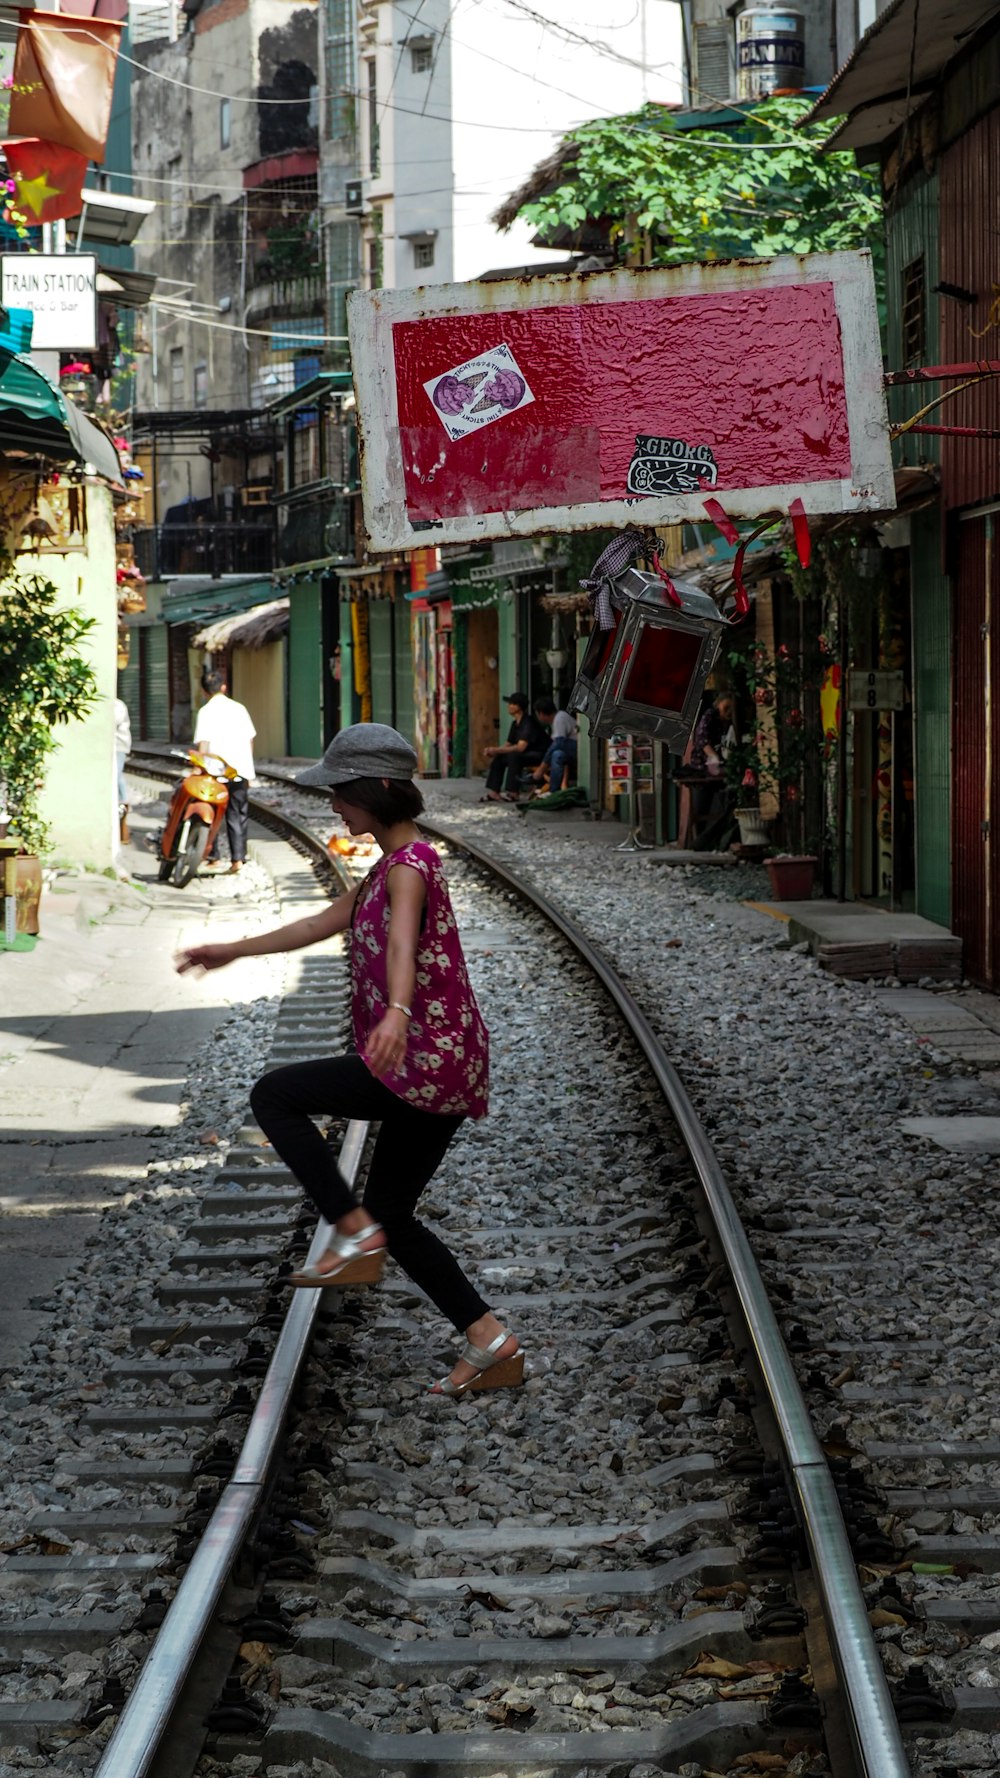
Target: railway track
x=635, y=1565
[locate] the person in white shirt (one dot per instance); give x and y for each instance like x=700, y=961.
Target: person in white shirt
x=225, y=732
x=560, y=755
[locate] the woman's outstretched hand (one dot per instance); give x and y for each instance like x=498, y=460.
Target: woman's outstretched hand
x=385, y=1051
x=204, y=957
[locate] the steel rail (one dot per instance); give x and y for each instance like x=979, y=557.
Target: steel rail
x=871, y=1719
x=146, y=1716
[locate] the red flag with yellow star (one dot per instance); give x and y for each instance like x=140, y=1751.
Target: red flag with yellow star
x=48, y=179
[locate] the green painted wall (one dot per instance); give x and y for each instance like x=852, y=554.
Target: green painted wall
x=931, y=611
x=912, y=231
x=380, y=648
x=406, y=715
x=392, y=686
x=912, y=234
x=509, y=675
x=306, y=667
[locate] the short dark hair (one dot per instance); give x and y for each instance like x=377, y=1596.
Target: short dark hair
x=389, y=801
x=213, y=680
x=546, y=705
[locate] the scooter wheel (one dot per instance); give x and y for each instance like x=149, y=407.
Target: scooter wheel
x=191, y=849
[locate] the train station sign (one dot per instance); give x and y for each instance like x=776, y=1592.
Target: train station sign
x=60, y=289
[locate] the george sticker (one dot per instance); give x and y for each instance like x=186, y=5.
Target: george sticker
x=669, y=466
x=481, y=390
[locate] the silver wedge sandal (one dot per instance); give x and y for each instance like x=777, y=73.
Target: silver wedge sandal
x=356, y=1267
x=492, y=1371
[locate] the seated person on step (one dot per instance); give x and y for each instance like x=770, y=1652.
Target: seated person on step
x=525, y=746
x=559, y=763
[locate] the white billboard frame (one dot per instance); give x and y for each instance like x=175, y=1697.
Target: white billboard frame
x=373, y=314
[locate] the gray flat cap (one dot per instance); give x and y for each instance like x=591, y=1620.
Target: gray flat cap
x=366, y=750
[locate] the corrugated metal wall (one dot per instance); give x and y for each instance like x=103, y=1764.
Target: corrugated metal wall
x=970, y=218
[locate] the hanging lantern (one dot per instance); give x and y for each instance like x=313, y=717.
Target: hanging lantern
x=645, y=676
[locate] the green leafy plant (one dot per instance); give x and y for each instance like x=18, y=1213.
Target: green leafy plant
x=668, y=194
x=44, y=682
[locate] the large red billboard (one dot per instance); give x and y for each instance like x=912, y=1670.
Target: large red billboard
x=491, y=410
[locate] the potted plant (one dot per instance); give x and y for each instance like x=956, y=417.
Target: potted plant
x=791, y=875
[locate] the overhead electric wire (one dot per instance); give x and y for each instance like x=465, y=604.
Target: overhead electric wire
x=442, y=117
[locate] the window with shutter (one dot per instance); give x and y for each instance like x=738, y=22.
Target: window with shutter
x=713, y=61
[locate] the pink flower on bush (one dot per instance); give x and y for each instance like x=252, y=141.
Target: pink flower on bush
x=749, y=779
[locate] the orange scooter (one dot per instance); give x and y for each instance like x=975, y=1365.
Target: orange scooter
x=196, y=813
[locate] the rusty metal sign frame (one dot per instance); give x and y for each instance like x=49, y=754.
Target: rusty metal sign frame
x=373, y=315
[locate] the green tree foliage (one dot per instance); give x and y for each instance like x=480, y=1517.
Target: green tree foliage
x=753, y=190
x=44, y=681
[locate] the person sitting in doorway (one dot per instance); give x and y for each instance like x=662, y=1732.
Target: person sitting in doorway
x=558, y=765
x=525, y=746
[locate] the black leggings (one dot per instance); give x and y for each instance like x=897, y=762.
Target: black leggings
x=409, y=1148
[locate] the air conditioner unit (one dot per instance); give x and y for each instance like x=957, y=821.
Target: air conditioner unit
x=354, y=202
x=256, y=496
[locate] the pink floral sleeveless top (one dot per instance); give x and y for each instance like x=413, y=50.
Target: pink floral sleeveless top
x=447, y=1057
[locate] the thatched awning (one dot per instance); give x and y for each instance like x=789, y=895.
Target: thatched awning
x=245, y=629
x=547, y=176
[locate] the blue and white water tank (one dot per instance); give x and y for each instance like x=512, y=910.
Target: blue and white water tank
x=770, y=51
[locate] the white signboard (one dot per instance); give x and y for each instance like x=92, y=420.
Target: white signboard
x=60, y=289
x=875, y=691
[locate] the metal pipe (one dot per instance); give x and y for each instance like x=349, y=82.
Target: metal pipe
x=870, y=1715
x=958, y=431
x=146, y=1716
x=936, y=373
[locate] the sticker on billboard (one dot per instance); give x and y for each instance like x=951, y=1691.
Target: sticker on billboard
x=669, y=466
x=481, y=390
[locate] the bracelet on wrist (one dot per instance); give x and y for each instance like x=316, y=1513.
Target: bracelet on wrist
x=397, y=1006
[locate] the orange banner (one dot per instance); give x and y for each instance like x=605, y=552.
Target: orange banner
x=64, y=74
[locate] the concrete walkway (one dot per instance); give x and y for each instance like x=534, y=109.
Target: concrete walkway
x=97, y=1033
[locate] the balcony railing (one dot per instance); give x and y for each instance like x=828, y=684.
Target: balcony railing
x=165, y=551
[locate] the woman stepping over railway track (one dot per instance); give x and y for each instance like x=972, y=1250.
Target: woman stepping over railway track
x=422, y=1053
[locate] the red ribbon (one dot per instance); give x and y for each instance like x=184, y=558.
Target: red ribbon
x=668, y=586
x=721, y=520
x=800, y=526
